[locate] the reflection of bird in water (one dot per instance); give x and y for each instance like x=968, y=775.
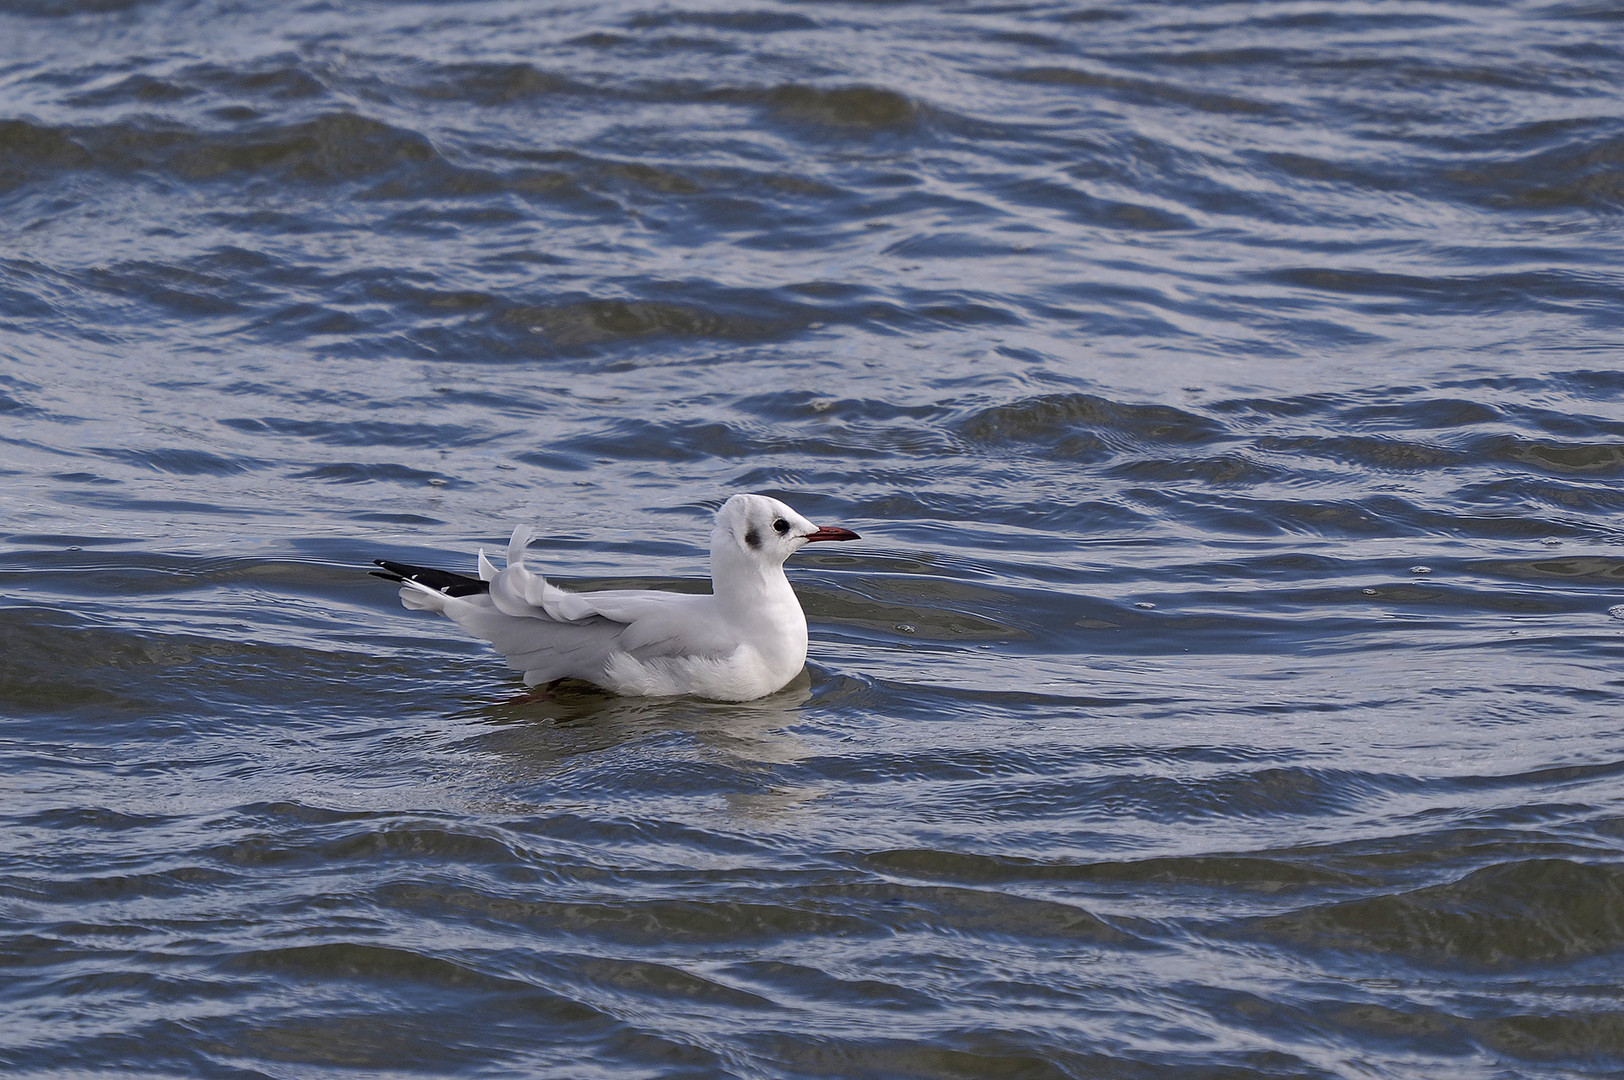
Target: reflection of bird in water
x=575, y=732
x=746, y=639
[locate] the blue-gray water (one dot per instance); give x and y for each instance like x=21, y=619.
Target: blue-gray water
x=1230, y=681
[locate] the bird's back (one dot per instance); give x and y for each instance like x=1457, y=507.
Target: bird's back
x=634, y=641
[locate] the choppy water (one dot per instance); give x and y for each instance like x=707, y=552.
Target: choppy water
x=1229, y=681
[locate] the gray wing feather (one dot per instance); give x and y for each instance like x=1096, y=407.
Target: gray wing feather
x=549, y=633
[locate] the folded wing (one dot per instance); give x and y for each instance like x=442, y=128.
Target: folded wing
x=550, y=633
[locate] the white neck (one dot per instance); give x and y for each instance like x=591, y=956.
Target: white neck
x=744, y=584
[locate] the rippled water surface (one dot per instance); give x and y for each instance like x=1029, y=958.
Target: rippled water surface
x=1230, y=680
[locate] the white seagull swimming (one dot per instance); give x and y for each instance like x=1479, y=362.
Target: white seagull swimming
x=744, y=640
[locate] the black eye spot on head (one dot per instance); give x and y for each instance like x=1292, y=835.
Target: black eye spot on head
x=780, y=526
x=753, y=538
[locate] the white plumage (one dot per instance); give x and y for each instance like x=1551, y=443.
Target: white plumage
x=744, y=640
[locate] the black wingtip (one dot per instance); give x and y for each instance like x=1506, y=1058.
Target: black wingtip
x=439, y=580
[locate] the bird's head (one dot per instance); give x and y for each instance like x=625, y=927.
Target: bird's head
x=762, y=530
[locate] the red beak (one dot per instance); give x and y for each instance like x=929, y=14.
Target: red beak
x=830, y=532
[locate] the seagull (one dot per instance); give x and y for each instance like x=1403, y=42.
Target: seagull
x=744, y=640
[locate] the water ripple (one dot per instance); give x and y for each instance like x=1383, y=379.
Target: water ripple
x=1226, y=684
